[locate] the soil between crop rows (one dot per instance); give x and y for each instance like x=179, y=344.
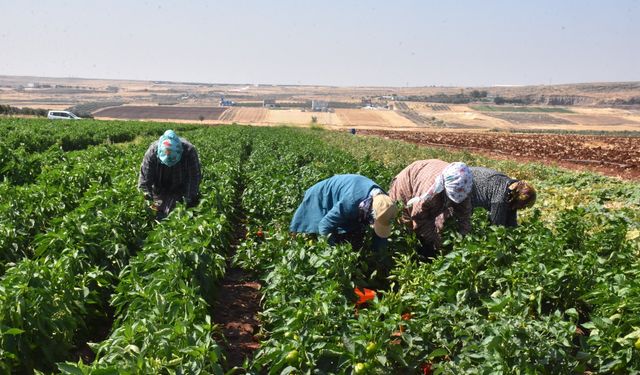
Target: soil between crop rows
x=236, y=312
x=612, y=156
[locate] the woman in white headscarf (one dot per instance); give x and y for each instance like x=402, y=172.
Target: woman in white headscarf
x=430, y=189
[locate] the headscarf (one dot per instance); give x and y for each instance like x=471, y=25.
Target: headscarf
x=523, y=194
x=169, y=148
x=456, y=180
x=364, y=211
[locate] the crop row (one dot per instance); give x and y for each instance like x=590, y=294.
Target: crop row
x=559, y=294
x=28, y=210
x=38, y=135
x=308, y=293
x=75, y=262
x=162, y=300
x=47, y=301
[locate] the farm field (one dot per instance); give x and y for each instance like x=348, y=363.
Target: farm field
x=550, y=118
x=244, y=115
x=261, y=116
x=519, y=118
x=372, y=118
x=435, y=116
x=297, y=117
x=161, y=112
x=83, y=262
x=491, y=117
x=580, y=107
x=615, y=156
x=493, y=108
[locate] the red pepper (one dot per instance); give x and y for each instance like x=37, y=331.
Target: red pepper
x=426, y=368
x=364, y=295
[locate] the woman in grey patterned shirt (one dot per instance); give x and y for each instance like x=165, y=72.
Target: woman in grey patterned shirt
x=170, y=173
x=501, y=195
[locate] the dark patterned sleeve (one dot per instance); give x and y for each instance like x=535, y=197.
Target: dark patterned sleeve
x=424, y=223
x=462, y=212
x=426, y=229
x=194, y=176
x=501, y=214
x=148, y=172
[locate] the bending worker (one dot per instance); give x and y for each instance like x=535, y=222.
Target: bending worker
x=501, y=195
x=170, y=172
x=430, y=189
x=341, y=207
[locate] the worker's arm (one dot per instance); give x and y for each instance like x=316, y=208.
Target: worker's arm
x=332, y=220
x=194, y=176
x=462, y=212
x=502, y=214
x=426, y=229
x=148, y=172
x=419, y=210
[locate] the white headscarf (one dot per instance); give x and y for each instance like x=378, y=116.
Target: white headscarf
x=456, y=180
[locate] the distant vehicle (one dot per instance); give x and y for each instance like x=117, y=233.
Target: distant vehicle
x=226, y=103
x=62, y=115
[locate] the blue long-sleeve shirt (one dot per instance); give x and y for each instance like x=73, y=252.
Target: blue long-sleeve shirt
x=331, y=205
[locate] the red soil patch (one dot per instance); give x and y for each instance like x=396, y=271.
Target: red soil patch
x=235, y=311
x=613, y=156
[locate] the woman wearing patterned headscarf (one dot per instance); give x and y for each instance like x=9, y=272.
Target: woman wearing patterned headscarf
x=501, y=195
x=429, y=189
x=170, y=172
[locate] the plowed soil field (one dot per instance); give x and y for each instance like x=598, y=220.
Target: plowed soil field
x=603, y=120
x=614, y=156
x=364, y=117
x=529, y=118
x=297, y=117
x=349, y=117
x=161, y=113
x=245, y=115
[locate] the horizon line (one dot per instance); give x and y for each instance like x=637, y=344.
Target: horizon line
x=314, y=85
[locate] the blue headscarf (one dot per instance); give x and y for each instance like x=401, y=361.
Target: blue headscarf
x=169, y=148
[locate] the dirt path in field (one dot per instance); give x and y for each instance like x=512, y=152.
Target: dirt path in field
x=238, y=300
x=100, y=329
x=612, y=156
x=236, y=312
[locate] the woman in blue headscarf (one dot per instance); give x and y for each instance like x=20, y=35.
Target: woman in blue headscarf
x=170, y=172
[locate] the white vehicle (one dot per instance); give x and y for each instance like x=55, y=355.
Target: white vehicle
x=62, y=115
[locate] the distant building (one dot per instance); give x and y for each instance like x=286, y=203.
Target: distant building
x=269, y=103
x=226, y=103
x=319, y=106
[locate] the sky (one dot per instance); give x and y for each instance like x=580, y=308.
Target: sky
x=331, y=42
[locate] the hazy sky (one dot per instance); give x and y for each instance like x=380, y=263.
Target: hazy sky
x=378, y=43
